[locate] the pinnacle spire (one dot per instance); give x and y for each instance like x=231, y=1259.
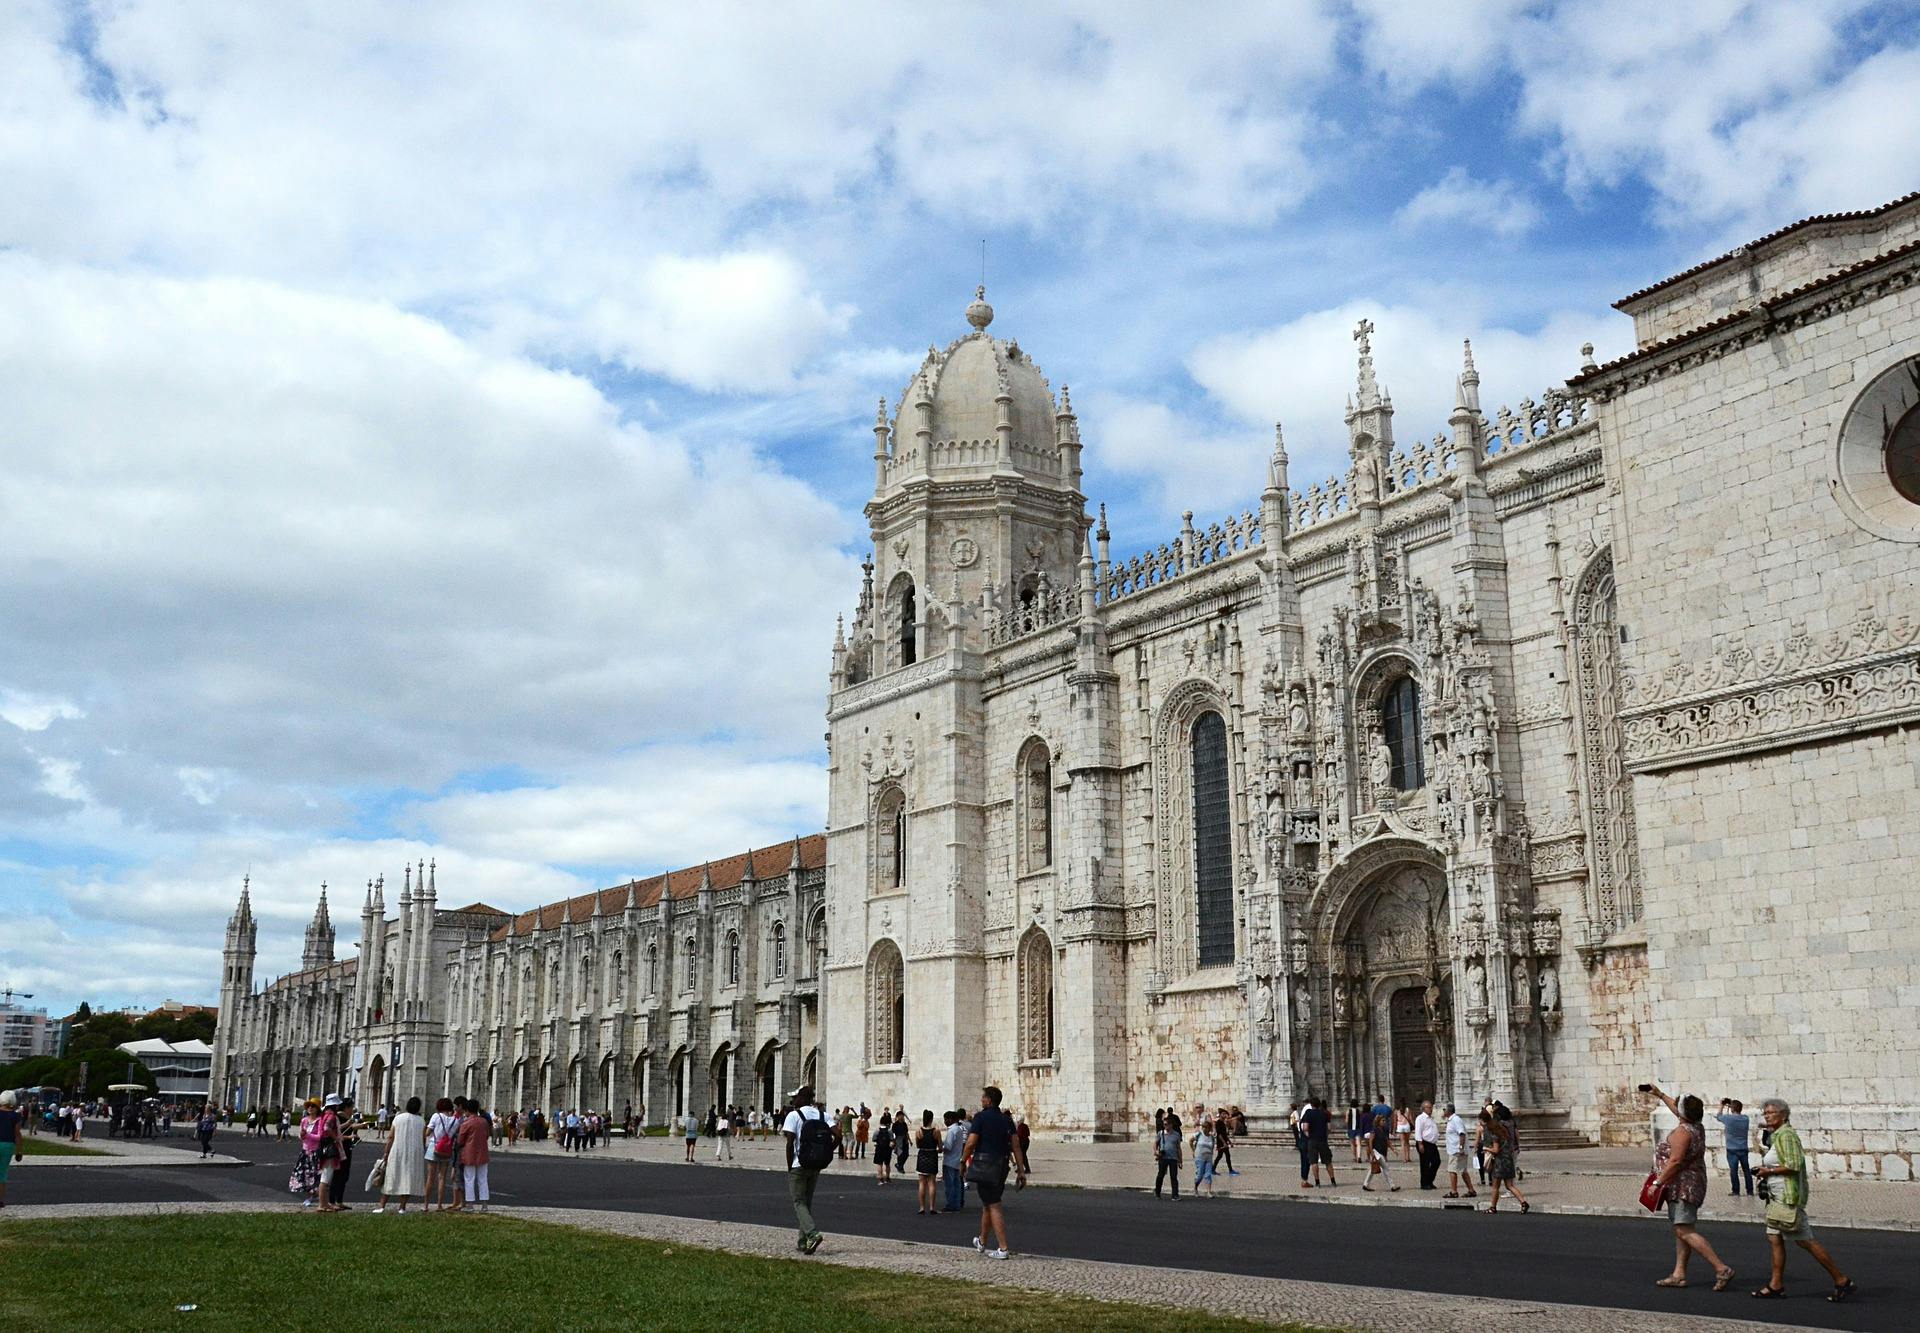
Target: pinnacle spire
x=1368, y=396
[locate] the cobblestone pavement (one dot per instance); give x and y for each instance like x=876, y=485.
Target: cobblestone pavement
x=1266, y=1299
x=1592, y=1181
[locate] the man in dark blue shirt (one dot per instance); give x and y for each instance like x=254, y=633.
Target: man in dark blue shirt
x=991, y=1146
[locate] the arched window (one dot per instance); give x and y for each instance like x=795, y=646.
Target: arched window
x=733, y=958
x=886, y=1005
x=1212, y=842
x=779, y=949
x=1036, y=997
x=1400, y=721
x=1034, y=804
x=890, y=841
x=617, y=975
x=692, y=964
x=909, y=615
x=817, y=943
x=1613, y=852
x=653, y=968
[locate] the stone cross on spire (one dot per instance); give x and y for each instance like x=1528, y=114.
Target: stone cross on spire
x=1369, y=396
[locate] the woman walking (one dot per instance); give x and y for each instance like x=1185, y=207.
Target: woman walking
x=442, y=1179
x=1496, y=1146
x=1223, y=1141
x=926, y=1160
x=1403, y=1130
x=1203, y=1157
x=406, y=1160
x=473, y=1154
x=203, y=1129
x=883, y=1148
x=1680, y=1169
x=1167, y=1145
x=1783, y=1183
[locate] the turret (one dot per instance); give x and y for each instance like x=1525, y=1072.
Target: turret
x=317, y=950
x=236, y=987
x=1466, y=419
x=1369, y=424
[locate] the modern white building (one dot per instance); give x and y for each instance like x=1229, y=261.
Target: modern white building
x=181, y=1069
x=24, y=1033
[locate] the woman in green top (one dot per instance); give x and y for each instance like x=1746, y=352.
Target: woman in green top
x=1783, y=1176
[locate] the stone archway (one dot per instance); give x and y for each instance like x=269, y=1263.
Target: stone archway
x=1382, y=949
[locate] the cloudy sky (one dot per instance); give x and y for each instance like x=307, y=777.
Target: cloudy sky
x=442, y=430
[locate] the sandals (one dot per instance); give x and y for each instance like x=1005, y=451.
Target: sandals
x=1843, y=1292
x=1525, y=1207
x=1723, y=1279
x=1453, y=1195
x=1769, y=1293
x=1671, y=1282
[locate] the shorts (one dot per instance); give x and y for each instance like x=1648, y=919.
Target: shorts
x=1800, y=1230
x=1322, y=1152
x=6, y=1159
x=1460, y=1164
x=1682, y=1214
x=991, y=1190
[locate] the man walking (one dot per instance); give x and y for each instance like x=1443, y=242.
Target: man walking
x=991, y=1145
x=811, y=1144
x=1735, y=1125
x=1426, y=1135
x=1379, y=1139
x=1315, y=1120
x=953, y=1151
x=1459, y=1165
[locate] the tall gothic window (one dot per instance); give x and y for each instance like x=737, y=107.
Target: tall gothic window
x=1400, y=718
x=1036, y=997
x=1212, y=842
x=1035, y=807
x=733, y=958
x=779, y=949
x=692, y=963
x=908, y=616
x=653, y=968
x=617, y=975
x=1614, y=853
x=886, y=1005
x=817, y=943
x=890, y=850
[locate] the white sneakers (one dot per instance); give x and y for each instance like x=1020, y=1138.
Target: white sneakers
x=981, y=1246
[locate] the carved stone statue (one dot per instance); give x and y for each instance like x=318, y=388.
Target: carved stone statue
x=1339, y=1001
x=1297, y=720
x=1479, y=780
x=1522, y=988
x=1366, y=482
x=1432, y=998
x=1550, y=989
x=1380, y=764
x=1263, y=1011
x=1302, y=1007
x=1476, y=985
x=1302, y=790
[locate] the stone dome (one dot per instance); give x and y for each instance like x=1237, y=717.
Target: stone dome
x=965, y=380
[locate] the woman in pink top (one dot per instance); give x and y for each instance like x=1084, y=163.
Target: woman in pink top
x=320, y=1143
x=471, y=1144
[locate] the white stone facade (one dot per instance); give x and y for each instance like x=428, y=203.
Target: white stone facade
x=1571, y=746
x=664, y=994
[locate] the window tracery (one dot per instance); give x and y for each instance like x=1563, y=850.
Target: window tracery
x=1401, y=728
x=733, y=958
x=1034, y=804
x=886, y=1004
x=1613, y=849
x=779, y=949
x=890, y=840
x=1036, y=996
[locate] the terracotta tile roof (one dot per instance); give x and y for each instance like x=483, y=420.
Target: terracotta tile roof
x=1818, y=219
x=478, y=909
x=1744, y=312
x=768, y=863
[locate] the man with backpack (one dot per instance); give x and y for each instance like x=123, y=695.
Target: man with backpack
x=811, y=1145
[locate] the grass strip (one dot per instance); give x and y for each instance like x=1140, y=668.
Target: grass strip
x=46, y=1147
x=359, y=1271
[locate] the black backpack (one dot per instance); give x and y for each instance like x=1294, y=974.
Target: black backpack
x=817, y=1145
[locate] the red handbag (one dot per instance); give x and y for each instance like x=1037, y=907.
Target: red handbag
x=1652, y=1192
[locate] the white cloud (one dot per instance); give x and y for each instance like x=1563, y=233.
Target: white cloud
x=1458, y=200
x=312, y=540
x=36, y=712
x=1185, y=462
x=658, y=808
x=1736, y=113
x=1302, y=372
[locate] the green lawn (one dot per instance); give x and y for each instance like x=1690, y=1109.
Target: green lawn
x=303, y=1270
x=47, y=1146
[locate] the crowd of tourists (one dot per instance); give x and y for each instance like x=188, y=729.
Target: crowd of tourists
x=441, y=1160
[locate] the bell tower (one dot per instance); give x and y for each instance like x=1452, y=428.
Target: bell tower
x=317, y=950
x=236, y=985
x=976, y=502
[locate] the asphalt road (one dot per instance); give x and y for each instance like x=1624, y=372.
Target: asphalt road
x=1597, y=1261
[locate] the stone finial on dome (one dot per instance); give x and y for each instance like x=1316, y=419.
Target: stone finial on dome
x=979, y=313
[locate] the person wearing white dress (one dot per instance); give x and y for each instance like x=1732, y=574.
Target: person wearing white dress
x=406, y=1170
